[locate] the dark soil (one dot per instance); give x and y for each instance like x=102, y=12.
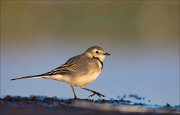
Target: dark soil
x=36, y=105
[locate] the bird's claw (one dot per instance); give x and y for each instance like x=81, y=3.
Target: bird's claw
x=97, y=93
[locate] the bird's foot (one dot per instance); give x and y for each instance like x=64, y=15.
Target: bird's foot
x=76, y=98
x=96, y=93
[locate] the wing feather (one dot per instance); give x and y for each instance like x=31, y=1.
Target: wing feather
x=67, y=68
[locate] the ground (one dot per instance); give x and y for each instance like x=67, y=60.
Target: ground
x=37, y=105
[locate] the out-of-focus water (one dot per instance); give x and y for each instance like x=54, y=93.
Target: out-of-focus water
x=143, y=38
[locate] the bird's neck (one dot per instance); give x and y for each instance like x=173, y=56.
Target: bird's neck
x=99, y=61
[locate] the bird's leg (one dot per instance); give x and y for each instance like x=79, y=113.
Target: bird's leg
x=75, y=97
x=94, y=93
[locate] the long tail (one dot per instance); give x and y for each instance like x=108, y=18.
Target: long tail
x=28, y=77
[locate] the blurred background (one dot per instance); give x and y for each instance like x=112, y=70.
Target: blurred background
x=142, y=36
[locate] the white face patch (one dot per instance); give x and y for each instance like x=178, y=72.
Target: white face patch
x=98, y=54
x=101, y=57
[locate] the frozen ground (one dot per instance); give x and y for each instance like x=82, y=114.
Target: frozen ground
x=37, y=105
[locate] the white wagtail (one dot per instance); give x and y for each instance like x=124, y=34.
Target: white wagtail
x=79, y=70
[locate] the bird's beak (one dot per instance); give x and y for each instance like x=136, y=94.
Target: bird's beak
x=107, y=54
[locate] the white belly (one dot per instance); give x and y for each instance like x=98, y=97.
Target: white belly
x=82, y=81
x=79, y=81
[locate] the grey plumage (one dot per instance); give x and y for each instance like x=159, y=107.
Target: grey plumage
x=79, y=70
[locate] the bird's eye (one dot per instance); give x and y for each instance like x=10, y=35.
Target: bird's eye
x=97, y=52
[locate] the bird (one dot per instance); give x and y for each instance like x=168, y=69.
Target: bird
x=78, y=71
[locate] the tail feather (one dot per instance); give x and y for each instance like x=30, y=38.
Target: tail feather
x=27, y=77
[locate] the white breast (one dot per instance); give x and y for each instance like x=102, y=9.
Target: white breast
x=84, y=80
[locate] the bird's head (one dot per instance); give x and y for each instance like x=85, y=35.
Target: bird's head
x=96, y=52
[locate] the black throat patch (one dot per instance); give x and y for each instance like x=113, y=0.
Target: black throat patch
x=99, y=61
